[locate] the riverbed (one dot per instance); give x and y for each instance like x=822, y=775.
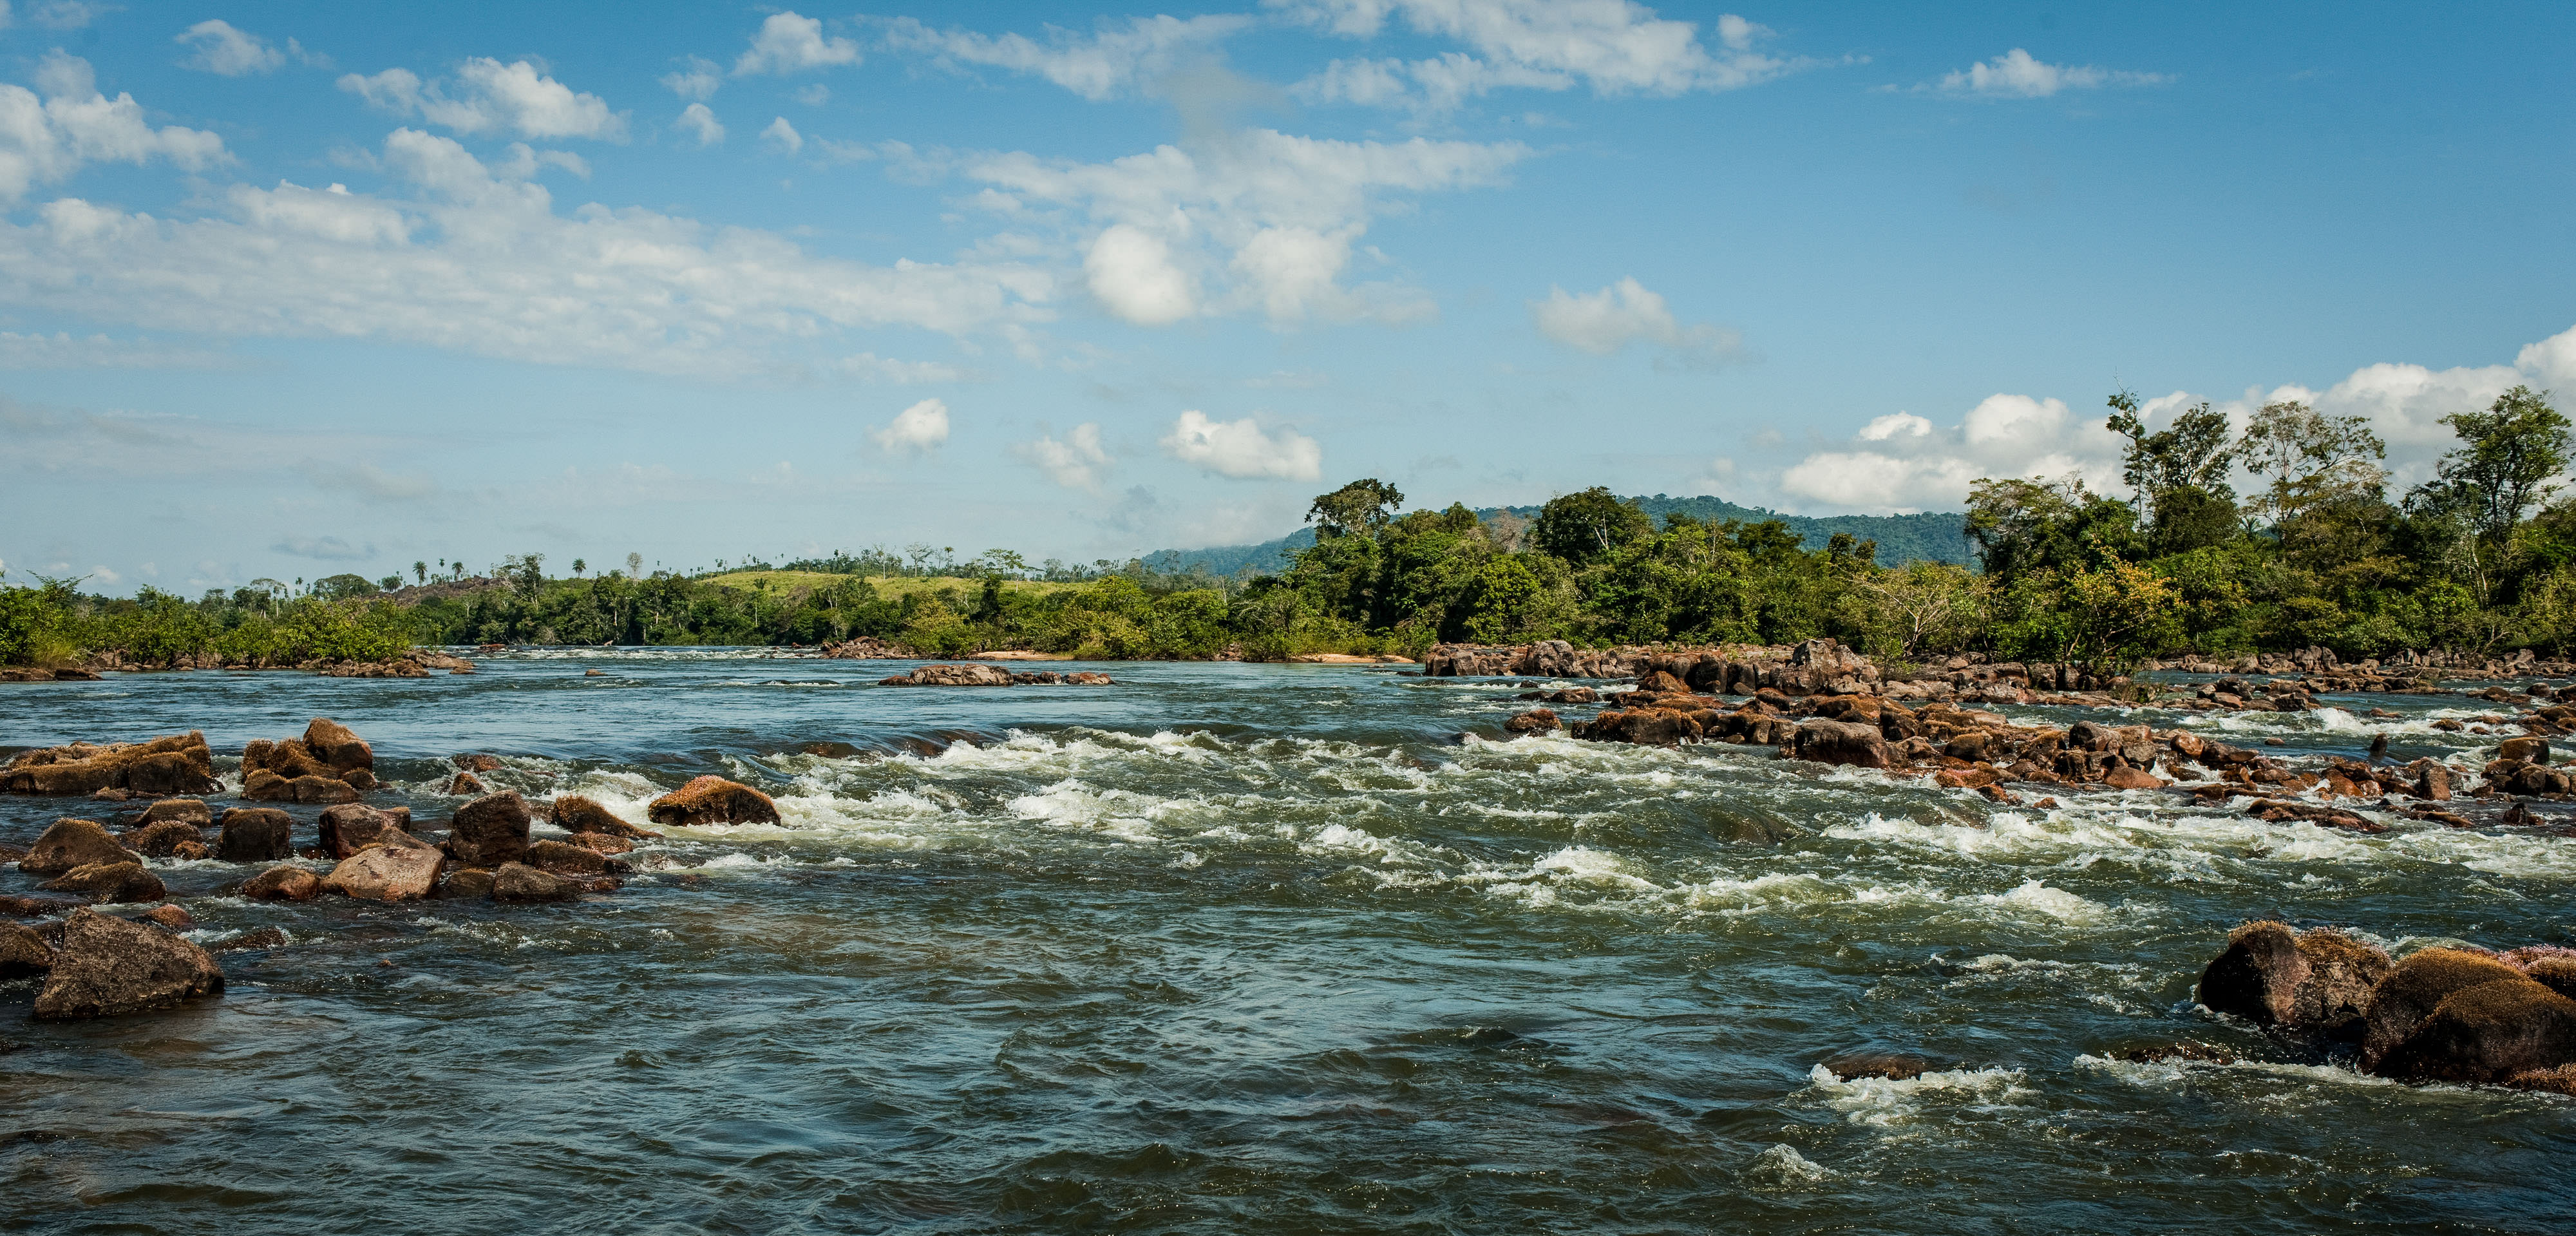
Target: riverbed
x=1248, y=948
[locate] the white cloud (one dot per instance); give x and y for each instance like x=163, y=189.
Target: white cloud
x=1239, y=449
x=1077, y=462
x=1113, y=60
x=324, y=549
x=1615, y=47
x=233, y=53
x=1131, y=271
x=62, y=350
x=2015, y=74
x=921, y=427
x=782, y=137
x=1626, y=312
x=490, y=96
x=1894, y=424
x=870, y=367
x=479, y=262
x=64, y=14
x=696, y=80
x=788, y=43
x=814, y=95
x=699, y=122
x=45, y=140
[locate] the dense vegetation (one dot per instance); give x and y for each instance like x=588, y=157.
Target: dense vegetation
x=2478, y=559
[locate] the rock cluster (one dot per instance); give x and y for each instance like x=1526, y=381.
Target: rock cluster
x=2442, y=1014
x=329, y=764
x=712, y=800
x=177, y=764
x=865, y=648
x=977, y=675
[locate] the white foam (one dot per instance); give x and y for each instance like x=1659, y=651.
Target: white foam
x=1782, y=1167
x=1881, y=1102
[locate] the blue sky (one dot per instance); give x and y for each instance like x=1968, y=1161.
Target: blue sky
x=288, y=290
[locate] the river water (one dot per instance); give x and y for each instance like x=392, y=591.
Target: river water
x=1230, y=948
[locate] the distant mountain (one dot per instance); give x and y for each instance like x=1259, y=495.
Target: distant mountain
x=1934, y=536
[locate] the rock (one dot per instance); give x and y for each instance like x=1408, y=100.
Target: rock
x=122, y=881
x=576, y=814
x=1090, y=678
x=175, y=764
x=192, y=810
x=23, y=952
x=173, y=917
x=1535, y=721
x=2528, y=750
x=2557, y=973
x=254, y=835
x=265, y=937
x=285, y=883
x=2320, y=979
x=477, y=763
x=72, y=843
x=2092, y=736
x=1890, y=1065
x=2414, y=988
x=334, y=744
x=1646, y=727
x=463, y=882
x=1840, y=742
x=162, y=838
x=520, y=883
x=713, y=800
x=2124, y=777
x=2487, y=1032
x=949, y=676
x=387, y=873
x=317, y=789
x=351, y=827
x=35, y=907
x=1660, y=682
x=466, y=785
x=601, y=843
x=563, y=858
x=489, y=831
x=109, y=967
x=2162, y=1052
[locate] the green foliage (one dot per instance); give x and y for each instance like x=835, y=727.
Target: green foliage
x=2507, y=456
x=1587, y=526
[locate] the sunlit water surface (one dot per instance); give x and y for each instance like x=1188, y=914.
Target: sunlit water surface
x=1233, y=948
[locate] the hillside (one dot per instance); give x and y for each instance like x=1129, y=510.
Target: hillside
x=1935, y=536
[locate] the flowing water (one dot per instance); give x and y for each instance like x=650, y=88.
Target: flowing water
x=1231, y=948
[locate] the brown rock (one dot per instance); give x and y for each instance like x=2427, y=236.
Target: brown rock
x=2124, y=777
x=489, y=831
x=1659, y=682
x=259, y=785
x=192, y=810
x=477, y=763
x=334, y=744
x=2414, y=988
x=23, y=952
x=518, y=882
x=1840, y=742
x=601, y=843
x=72, y=843
x=713, y=800
x=351, y=827
x=2558, y=974
x=254, y=835
x=576, y=814
x=173, y=917
x=284, y=883
x=2319, y=979
x=566, y=859
x=162, y=839
x=465, y=882
x=950, y=676
x=466, y=784
x=176, y=764
x=265, y=937
x=117, y=882
x=2488, y=1032
x=1535, y=721
x=2528, y=750
x=1890, y=1065
x=316, y=789
x=387, y=873
x=109, y=967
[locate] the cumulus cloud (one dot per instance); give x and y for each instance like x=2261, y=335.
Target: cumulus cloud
x=2016, y=75
x=1076, y=462
x=219, y=48
x=491, y=97
x=782, y=137
x=1239, y=449
x=1614, y=47
x=61, y=14
x=324, y=549
x=1115, y=59
x=1131, y=271
x=480, y=262
x=921, y=427
x=45, y=139
x=695, y=80
x=1623, y=313
x=699, y=122
x=788, y=43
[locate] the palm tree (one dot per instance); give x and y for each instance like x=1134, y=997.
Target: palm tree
x=420, y=570
x=579, y=566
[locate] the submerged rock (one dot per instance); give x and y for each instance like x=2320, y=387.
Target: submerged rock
x=465, y=882
x=713, y=800
x=952, y=676
x=566, y=859
x=518, y=882
x=2319, y=979
x=176, y=918
x=254, y=835
x=193, y=810
x=118, y=882
x=109, y=967
x=576, y=814
x=265, y=937
x=282, y=884
x=2414, y=988
x=489, y=831
x=2488, y=1032
x=23, y=952
x=466, y=785
x=70, y=843
x=1891, y=1065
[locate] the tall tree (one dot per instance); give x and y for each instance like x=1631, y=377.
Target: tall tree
x=2311, y=458
x=2191, y=453
x=2507, y=457
x=1365, y=506
x=1587, y=526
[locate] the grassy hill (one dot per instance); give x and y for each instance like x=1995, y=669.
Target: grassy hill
x=1935, y=536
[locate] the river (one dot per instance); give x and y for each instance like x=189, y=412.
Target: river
x=1233, y=948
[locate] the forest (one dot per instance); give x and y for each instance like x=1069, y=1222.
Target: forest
x=2318, y=551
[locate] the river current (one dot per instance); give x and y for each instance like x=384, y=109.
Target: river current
x=1231, y=948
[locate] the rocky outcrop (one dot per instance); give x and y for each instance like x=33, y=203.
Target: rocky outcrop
x=1535, y=721
x=489, y=831
x=387, y=871
x=2440, y=1015
x=866, y=649
x=329, y=764
x=177, y=764
x=576, y=814
x=118, y=882
x=1840, y=742
x=2318, y=980
x=72, y=843
x=992, y=676
x=351, y=827
x=254, y=835
x=523, y=884
x=712, y=800
x=282, y=884
x=466, y=785
x=166, y=839
x=564, y=858
x=108, y=967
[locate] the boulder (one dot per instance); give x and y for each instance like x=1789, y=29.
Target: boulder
x=283, y=883
x=2557, y=973
x=193, y=810
x=23, y=952
x=520, y=883
x=351, y=827
x=109, y=967
x=1839, y=742
x=576, y=814
x=334, y=745
x=162, y=838
x=466, y=785
x=176, y=918
x=268, y=786
x=254, y=835
x=1658, y=682
x=2487, y=1032
x=72, y=843
x=489, y=831
x=563, y=858
x=462, y=882
x=1890, y=1065
x=175, y=764
x=2319, y=979
x=2092, y=736
x=2414, y=987
x=1535, y=721
x=601, y=843
x=122, y=881
x=712, y=800
x=476, y=762
x=950, y=676
x=2123, y=777
x=1646, y=727
x=385, y=872
x=2528, y=750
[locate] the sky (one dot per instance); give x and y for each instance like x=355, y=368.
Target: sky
x=290, y=290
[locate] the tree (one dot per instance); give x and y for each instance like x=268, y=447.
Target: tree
x=1365, y=506
x=2024, y=525
x=579, y=566
x=1917, y=607
x=420, y=570
x=2311, y=459
x=2507, y=456
x=634, y=566
x=2191, y=453
x=1587, y=526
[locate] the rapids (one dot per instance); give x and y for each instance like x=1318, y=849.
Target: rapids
x=1231, y=948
